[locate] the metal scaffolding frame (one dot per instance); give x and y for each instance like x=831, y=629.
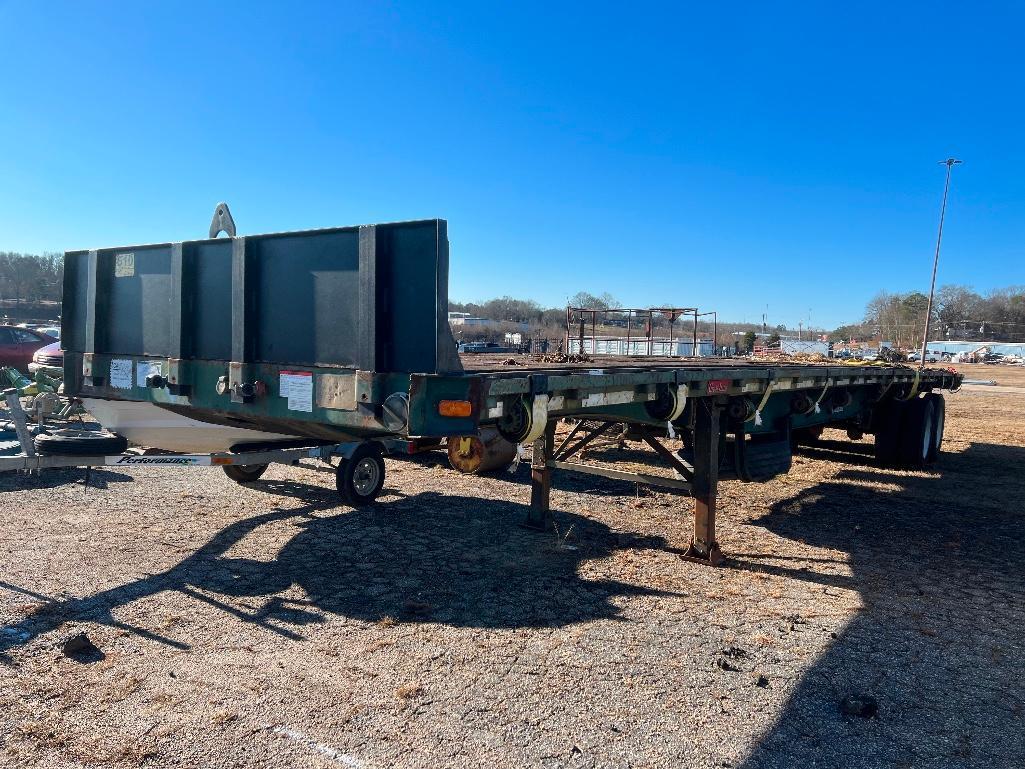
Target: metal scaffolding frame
x=581, y=316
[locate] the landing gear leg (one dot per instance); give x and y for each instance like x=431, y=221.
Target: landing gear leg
x=539, y=516
x=703, y=547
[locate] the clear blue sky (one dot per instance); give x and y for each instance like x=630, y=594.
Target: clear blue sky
x=770, y=155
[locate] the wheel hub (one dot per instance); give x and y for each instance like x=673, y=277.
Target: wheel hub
x=365, y=477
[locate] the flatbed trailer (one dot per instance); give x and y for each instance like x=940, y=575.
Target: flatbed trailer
x=341, y=336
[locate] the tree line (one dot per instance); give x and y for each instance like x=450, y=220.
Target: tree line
x=550, y=322
x=508, y=309
x=958, y=313
x=30, y=277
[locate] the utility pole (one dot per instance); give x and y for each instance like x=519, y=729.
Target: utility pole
x=949, y=163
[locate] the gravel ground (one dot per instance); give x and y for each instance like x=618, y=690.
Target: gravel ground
x=265, y=626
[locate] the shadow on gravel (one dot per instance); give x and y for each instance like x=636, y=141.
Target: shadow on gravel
x=940, y=642
x=95, y=478
x=430, y=558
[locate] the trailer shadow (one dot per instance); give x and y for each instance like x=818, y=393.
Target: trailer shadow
x=940, y=643
x=457, y=560
x=92, y=477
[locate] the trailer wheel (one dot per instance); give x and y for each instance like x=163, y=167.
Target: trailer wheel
x=916, y=440
x=887, y=423
x=938, y=420
x=360, y=478
x=244, y=473
x=88, y=443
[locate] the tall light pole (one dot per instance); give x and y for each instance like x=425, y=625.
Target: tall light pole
x=949, y=163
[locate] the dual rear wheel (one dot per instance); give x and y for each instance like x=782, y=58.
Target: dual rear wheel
x=910, y=434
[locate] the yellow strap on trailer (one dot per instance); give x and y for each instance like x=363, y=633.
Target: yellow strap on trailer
x=914, y=386
x=757, y=416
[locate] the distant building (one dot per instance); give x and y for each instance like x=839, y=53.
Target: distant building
x=950, y=346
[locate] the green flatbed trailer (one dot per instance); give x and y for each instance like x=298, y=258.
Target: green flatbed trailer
x=222, y=329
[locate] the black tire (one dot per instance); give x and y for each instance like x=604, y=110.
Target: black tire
x=87, y=443
x=916, y=441
x=939, y=418
x=887, y=422
x=244, y=473
x=360, y=478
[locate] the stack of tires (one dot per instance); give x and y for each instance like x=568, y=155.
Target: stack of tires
x=909, y=434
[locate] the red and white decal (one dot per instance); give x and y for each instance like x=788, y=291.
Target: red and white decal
x=718, y=386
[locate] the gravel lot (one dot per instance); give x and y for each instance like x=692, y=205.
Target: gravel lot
x=264, y=626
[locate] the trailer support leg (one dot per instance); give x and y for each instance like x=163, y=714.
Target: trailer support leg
x=539, y=516
x=703, y=547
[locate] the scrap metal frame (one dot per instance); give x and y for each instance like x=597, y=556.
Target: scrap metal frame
x=650, y=313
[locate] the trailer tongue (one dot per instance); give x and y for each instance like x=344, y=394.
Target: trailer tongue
x=340, y=338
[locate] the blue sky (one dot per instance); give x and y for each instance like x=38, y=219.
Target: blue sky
x=726, y=156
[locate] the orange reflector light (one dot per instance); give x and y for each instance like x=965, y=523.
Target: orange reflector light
x=454, y=408
x=220, y=460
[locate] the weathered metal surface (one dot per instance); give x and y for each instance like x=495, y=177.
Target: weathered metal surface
x=539, y=515
x=707, y=439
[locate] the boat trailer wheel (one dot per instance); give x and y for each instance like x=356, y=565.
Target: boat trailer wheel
x=360, y=478
x=244, y=473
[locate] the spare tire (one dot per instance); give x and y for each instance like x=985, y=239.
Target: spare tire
x=87, y=443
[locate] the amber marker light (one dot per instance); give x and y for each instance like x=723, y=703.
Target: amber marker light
x=454, y=408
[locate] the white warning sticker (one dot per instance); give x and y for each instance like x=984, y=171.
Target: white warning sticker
x=124, y=265
x=121, y=373
x=297, y=386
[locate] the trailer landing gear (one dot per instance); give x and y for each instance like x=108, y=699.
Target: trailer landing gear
x=703, y=547
x=539, y=516
x=701, y=480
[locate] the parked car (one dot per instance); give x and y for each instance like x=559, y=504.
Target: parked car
x=931, y=356
x=18, y=345
x=49, y=360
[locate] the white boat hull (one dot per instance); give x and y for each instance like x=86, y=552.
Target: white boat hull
x=146, y=424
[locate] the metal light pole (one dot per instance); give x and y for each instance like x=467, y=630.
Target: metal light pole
x=949, y=163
